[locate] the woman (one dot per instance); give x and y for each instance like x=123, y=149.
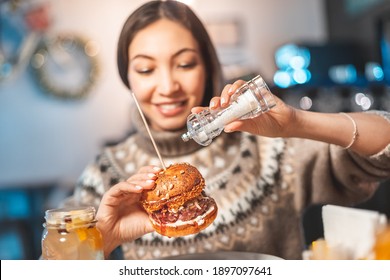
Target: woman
x=261, y=184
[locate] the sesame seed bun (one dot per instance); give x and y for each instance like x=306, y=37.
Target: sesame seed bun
x=177, y=206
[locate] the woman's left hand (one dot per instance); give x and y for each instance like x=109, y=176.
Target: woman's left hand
x=120, y=216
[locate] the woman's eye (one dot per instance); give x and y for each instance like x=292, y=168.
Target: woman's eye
x=145, y=71
x=187, y=65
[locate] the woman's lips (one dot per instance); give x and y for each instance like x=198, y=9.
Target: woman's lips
x=171, y=109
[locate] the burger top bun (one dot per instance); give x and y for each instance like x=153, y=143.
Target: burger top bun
x=175, y=185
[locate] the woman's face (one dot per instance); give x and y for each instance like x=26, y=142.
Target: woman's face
x=166, y=73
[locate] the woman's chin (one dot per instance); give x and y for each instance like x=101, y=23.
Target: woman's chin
x=171, y=126
x=174, y=123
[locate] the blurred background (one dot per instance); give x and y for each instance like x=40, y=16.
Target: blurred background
x=61, y=99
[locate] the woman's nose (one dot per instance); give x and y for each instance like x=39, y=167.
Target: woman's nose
x=167, y=84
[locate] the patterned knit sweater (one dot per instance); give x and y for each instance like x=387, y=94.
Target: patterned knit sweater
x=261, y=185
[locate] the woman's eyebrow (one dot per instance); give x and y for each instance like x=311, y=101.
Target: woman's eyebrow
x=141, y=56
x=185, y=50
x=179, y=52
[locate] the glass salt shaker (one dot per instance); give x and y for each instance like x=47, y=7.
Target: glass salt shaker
x=249, y=101
x=71, y=234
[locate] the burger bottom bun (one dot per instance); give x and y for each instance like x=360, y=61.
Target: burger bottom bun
x=180, y=228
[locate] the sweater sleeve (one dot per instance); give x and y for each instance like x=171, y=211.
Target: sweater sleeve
x=367, y=169
x=329, y=174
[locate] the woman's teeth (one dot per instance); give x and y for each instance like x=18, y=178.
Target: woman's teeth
x=171, y=106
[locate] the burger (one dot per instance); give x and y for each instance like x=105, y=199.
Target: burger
x=177, y=205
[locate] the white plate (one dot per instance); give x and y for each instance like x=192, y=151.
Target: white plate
x=225, y=256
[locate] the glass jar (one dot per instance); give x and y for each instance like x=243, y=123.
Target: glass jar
x=71, y=234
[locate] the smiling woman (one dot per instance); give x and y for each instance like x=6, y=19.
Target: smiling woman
x=262, y=175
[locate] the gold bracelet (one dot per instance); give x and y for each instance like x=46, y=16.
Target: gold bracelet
x=355, y=130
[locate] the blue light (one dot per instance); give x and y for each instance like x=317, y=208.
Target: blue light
x=343, y=74
x=292, y=56
x=385, y=51
x=283, y=55
x=374, y=72
x=292, y=61
x=378, y=73
x=297, y=62
x=282, y=79
x=301, y=76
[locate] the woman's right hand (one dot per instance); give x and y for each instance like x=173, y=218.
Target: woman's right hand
x=278, y=122
x=120, y=216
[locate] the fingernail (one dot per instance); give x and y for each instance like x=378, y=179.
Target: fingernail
x=212, y=104
x=138, y=187
x=150, y=181
x=156, y=168
x=151, y=175
x=223, y=101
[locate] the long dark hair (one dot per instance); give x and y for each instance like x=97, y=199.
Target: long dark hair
x=176, y=11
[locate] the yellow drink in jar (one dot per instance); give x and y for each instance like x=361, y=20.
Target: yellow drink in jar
x=71, y=234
